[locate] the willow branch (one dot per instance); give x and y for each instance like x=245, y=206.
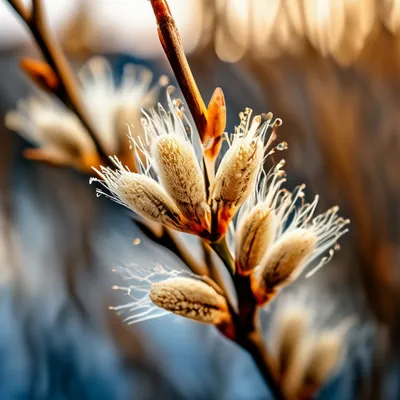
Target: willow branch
x=247, y=328
x=68, y=89
x=20, y=9
x=172, y=45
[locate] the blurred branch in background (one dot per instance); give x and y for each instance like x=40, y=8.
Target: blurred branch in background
x=64, y=86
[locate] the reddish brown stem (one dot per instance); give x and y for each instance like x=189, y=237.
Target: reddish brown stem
x=172, y=45
x=248, y=333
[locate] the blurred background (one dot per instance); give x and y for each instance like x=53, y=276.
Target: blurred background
x=330, y=70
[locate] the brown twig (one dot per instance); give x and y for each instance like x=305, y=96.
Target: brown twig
x=254, y=345
x=247, y=333
x=67, y=90
x=172, y=45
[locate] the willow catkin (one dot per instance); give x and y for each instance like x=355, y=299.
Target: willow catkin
x=147, y=198
x=182, y=178
x=286, y=256
x=254, y=236
x=192, y=299
x=237, y=175
x=324, y=357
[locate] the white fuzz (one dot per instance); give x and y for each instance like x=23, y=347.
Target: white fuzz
x=328, y=227
x=48, y=124
x=156, y=123
x=141, y=194
x=180, y=174
x=257, y=221
x=140, y=307
x=192, y=299
x=166, y=152
x=255, y=234
x=237, y=174
x=146, y=198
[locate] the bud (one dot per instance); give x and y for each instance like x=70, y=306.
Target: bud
x=324, y=357
x=254, y=236
x=216, y=123
x=182, y=178
x=192, y=299
x=41, y=73
x=304, y=358
x=146, y=197
x=62, y=143
x=291, y=330
x=285, y=257
x=45, y=156
x=236, y=175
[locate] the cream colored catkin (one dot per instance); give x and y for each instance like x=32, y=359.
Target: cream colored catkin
x=192, y=299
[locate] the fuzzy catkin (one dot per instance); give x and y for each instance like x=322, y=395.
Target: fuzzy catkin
x=145, y=196
x=182, y=178
x=254, y=236
x=286, y=256
x=324, y=358
x=237, y=173
x=192, y=299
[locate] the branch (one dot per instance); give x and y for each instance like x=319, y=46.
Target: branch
x=246, y=326
x=172, y=45
x=20, y=9
x=248, y=333
x=68, y=88
x=254, y=345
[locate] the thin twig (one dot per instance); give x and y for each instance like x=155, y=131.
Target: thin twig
x=245, y=321
x=20, y=9
x=246, y=326
x=248, y=335
x=68, y=90
x=254, y=345
x=172, y=45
